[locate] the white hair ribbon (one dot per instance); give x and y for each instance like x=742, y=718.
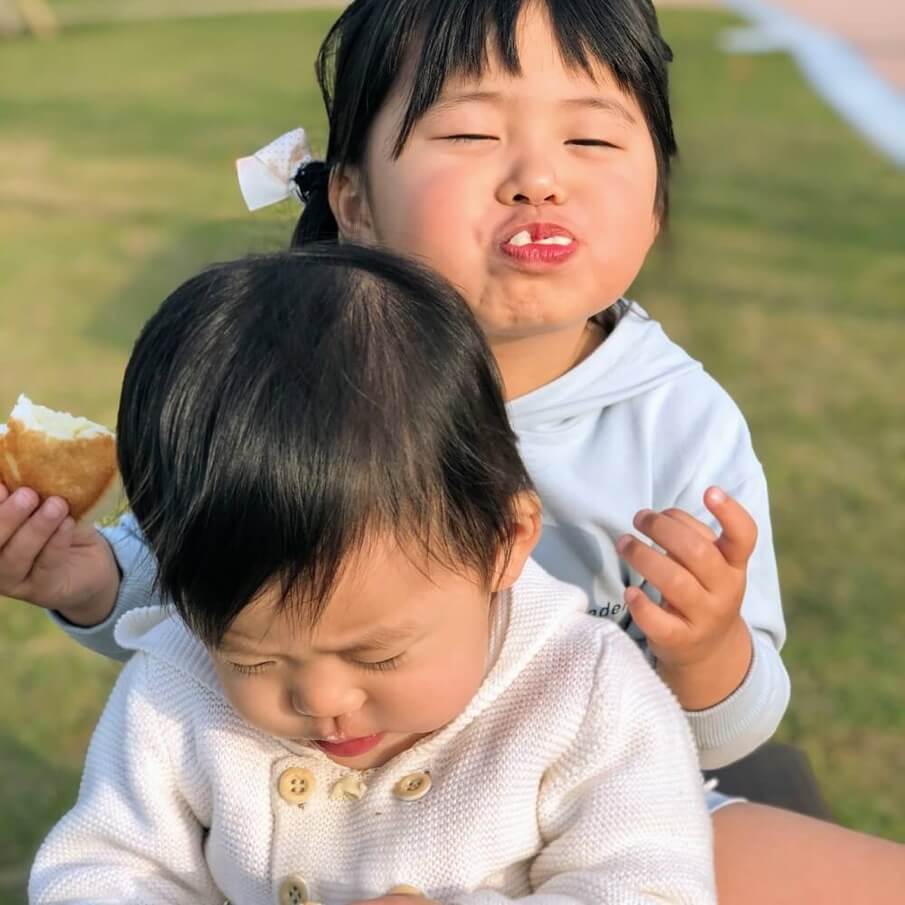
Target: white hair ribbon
x=267, y=177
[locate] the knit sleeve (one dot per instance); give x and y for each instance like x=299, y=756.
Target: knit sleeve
x=131, y=838
x=139, y=569
x=622, y=812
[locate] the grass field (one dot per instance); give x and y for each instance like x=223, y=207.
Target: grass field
x=784, y=271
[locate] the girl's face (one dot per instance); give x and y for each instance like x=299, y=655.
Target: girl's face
x=400, y=650
x=534, y=194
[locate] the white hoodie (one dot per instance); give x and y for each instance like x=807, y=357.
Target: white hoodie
x=638, y=424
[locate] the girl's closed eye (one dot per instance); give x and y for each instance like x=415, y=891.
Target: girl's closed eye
x=592, y=143
x=250, y=669
x=465, y=138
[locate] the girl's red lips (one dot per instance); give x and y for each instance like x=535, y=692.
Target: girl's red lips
x=352, y=747
x=538, y=246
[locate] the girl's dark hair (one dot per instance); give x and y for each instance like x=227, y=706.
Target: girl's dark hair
x=374, y=41
x=280, y=412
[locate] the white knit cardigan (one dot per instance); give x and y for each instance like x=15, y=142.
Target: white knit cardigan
x=570, y=778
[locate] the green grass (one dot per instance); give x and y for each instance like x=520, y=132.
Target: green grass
x=783, y=271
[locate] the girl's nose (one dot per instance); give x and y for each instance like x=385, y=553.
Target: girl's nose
x=532, y=180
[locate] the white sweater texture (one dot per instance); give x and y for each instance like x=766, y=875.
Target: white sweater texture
x=570, y=779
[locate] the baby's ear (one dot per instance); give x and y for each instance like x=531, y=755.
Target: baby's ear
x=526, y=533
x=349, y=204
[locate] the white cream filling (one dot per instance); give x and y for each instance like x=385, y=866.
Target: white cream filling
x=60, y=425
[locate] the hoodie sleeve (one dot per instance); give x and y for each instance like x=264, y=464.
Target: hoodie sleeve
x=139, y=569
x=736, y=726
x=132, y=838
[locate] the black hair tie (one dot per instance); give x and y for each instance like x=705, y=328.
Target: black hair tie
x=310, y=178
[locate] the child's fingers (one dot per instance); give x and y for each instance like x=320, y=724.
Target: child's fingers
x=662, y=627
x=26, y=542
x=739, y=536
x=57, y=546
x=685, y=544
x=695, y=524
x=676, y=583
x=14, y=512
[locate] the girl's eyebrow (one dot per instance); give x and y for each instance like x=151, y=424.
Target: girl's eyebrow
x=607, y=105
x=451, y=101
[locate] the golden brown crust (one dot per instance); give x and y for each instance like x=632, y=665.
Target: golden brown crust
x=81, y=470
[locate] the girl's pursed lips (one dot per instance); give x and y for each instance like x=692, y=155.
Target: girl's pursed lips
x=537, y=246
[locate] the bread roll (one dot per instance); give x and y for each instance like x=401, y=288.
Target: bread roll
x=57, y=454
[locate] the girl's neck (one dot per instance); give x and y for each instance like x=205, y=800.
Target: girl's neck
x=529, y=362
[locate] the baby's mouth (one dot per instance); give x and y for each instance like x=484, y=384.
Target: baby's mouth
x=336, y=746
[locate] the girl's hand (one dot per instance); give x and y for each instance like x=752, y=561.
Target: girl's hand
x=702, y=644
x=48, y=560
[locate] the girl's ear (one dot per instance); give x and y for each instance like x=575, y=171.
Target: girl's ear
x=349, y=203
x=528, y=527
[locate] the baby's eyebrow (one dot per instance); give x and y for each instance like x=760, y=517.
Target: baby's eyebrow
x=382, y=637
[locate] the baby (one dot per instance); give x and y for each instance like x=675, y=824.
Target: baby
x=364, y=687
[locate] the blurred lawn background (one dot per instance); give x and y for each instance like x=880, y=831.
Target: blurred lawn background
x=783, y=270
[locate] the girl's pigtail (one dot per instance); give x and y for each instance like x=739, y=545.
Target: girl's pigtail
x=317, y=223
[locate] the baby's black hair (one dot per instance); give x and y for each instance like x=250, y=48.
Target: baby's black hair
x=279, y=412
x=374, y=42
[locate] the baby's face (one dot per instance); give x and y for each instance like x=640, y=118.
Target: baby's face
x=550, y=154
x=399, y=652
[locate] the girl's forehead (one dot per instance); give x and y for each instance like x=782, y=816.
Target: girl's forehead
x=539, y=59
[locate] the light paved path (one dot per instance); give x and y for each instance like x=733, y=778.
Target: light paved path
x=852, y=52
x=876, y=28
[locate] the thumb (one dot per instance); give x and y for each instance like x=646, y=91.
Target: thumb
x=739, y=534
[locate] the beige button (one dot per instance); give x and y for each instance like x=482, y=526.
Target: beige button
x=296, y=785
x=293, y=891
x=349, y=788
x=413, y=786
x=403, y=889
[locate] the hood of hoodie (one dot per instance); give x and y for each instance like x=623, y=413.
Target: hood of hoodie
x=635, y=358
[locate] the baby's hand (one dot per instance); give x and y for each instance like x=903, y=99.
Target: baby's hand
x=48, y=560
x=701, y=642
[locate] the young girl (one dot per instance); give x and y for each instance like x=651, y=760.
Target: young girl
x=369, y=688
x=523, y=150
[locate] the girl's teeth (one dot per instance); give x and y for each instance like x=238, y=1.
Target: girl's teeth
x=523, y=238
